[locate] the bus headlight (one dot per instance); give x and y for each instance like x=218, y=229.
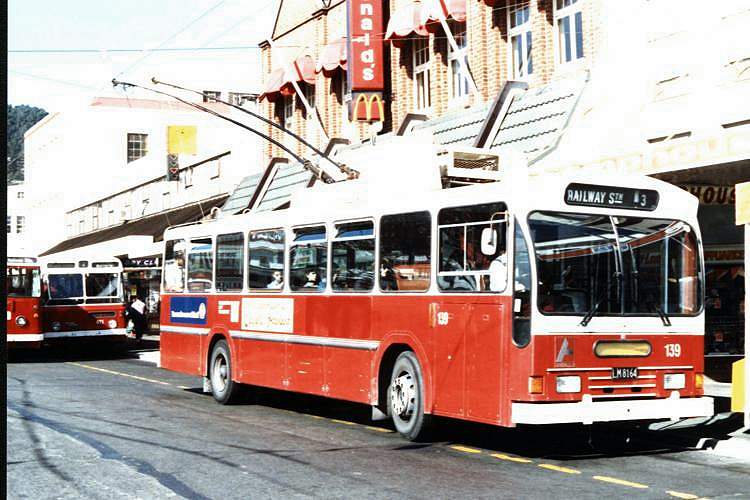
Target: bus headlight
x=674, y=380
x=568, y=383
x=112, y=323
x=56, y=326
x=21, y=321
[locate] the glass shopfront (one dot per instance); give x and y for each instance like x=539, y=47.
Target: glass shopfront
x=142, y=277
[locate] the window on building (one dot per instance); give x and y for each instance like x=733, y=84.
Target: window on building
x=137, y=146
x=287, y=116
x=174, y=266
x=144, y=205
x=569, y=22
x=95, y=220
x=81, y=226
x=353, y=257
x=459, y=79
x=472, y=248
x=19, y=195
x=240, y=98
x=20, y=224
x=211, y=95
x=405, y=252
x=520, y=41
x=214, y=169
x=10, y=224
x=111, y=218
x=200, y=265
x=166, y=200
x=230, y=250
x=422, y=73
x=308, y=259
x=187, y=177
x=126, y=212
x=309, y=91
x=265, y=260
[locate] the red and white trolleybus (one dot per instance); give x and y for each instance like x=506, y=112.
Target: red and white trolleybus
x=523, y=301
x=83, y=298
x=23, y=324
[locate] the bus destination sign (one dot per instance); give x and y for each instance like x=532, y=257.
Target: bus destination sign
x=590, y=195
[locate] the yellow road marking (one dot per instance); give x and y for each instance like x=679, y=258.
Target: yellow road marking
x=378, y=429
x=184, y=387
x=315, y=416
x=112, y=372
x=559, y=469
x=342, y=422
x=686, y=496
x=465, y=449
x=622, y=482
x=512, y=459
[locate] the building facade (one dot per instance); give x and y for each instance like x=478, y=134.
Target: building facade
x=17, y=225
x=653, y=87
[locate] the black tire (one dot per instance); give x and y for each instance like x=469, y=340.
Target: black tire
x=406, y=398
x=223, y=388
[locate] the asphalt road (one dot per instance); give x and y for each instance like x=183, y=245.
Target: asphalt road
x=93, y=423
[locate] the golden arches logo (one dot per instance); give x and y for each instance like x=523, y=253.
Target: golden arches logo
x=370, y=101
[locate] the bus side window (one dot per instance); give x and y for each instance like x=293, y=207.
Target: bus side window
x=308, y=259
x=473, y=248
x=230, y=257
x=200, y=265
x=405, y=242
x=265, y=260
x=174, y=266
x=353, y=257
x=521, y=290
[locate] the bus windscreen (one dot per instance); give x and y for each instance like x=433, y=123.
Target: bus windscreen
x=23, y=282
x=596, y=264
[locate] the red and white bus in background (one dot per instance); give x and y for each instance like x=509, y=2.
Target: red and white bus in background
x=23, y=324
x=83, y=297
x=524, y=301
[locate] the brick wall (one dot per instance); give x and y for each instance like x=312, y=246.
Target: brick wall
x=488, y=58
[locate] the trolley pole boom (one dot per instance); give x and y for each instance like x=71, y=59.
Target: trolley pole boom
x=350, y=172
x=307, y=164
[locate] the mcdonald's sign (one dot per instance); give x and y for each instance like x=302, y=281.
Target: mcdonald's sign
x=367, y=106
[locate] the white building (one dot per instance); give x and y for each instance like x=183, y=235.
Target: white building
x=97, y=167
x=17, y=221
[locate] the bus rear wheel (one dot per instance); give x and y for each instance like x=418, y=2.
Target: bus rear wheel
x=223, y=388
x=406, y=398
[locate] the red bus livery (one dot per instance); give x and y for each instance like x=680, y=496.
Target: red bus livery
x=83, y=297
x=523, y=301
x=23, y=324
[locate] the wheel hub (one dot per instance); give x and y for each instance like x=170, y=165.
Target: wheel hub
x=402, y=395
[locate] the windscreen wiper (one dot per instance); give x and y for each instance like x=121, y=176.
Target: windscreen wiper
x=664, y=318
x=590, y=314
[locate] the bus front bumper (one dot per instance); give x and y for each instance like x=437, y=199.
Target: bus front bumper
x=86, y=333
x=588, y=411
x=25, y=337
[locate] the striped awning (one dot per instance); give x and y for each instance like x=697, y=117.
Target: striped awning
x=280, y=81
x=332, y=57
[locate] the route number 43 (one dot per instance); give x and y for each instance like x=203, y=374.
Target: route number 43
x=673, y=350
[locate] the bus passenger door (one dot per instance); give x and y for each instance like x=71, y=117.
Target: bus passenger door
x=484, y=340
x=449, y=327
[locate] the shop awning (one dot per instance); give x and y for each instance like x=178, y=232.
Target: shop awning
x=280, y=81
x=153, y=225
x=433, y=10
x=332, y=57
x=422, y=17
x=404, y=22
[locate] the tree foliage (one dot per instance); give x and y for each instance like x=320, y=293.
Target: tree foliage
x=20, y=119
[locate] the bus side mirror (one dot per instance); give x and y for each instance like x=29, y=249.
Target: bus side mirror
x=489, y=241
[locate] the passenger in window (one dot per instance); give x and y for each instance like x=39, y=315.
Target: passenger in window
x=499, y=273
x=311, y=275
x=277, y=281
x=388, y=279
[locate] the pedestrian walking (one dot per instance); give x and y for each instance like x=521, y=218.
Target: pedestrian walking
x=136, y=313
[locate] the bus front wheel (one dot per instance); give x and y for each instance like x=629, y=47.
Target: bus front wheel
x=223, y=388
x=406, y=398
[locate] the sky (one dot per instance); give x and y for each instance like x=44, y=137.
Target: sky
x=61, y=54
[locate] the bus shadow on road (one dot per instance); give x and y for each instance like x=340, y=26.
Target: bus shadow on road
x=560, y=442
x=81, y=350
